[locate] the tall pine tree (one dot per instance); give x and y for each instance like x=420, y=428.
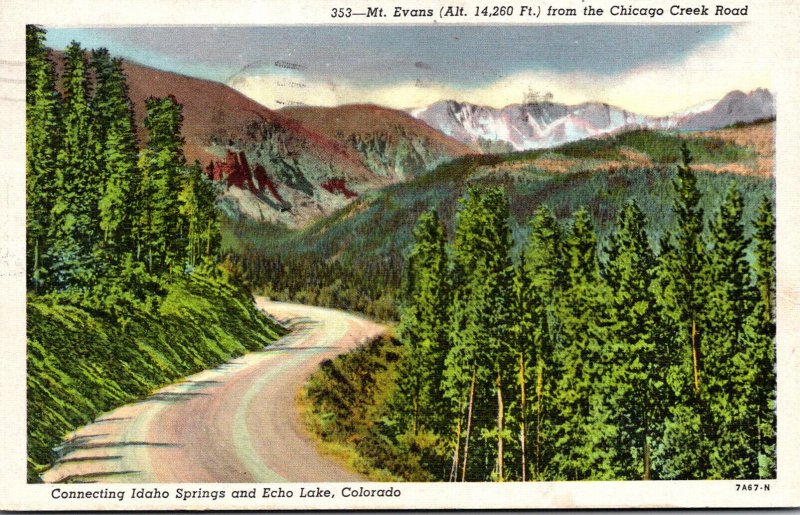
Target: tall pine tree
x=423, y=325
x=581, y=425
x=755, y=364
x=200, y=220
x=480, y=328
x=119, y=205
x=43, y=138
x=729, y=302
x=75, y=229
x=160, y=240
x=682, y=290
x=635, y=382
x=541, y=277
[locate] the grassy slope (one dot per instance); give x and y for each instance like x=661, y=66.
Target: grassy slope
x=345, y=405
x=81, y=364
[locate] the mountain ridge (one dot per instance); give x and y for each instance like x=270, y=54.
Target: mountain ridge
x=274, y=167
x=548, y=124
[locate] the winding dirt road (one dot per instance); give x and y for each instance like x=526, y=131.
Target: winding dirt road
x=236, y=423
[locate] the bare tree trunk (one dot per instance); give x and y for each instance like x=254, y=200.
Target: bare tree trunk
x=646, y=442
x=499, y=427
x=36, y=262
x=416, y=414
x=539, y=389
x=469, y=425
x=454, y=468
x=523, y=430
x=695, y=357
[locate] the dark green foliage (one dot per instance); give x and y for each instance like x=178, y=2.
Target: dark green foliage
x=162, y=245
x=660, y=147
x=349, y=236
x=119, y=205
x=481, y=357
x=682, y=288
x=78, y=186
x=43, y=138
x=730, y=300
x=97, y=224
x=756, y=361
x=199, y=219
x=541, y=279
x=82, y=363
x=423, y=328
x=582, y=434
x=634, y=386
x=764, y=262
x=663, y=147
x=368, y=288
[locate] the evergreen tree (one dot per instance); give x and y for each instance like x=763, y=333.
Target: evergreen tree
x=42, y=142
x=74, y=230
x=200, y=221
x=689, y=261
x=765, y=262
x=480, y=329
x=500, y=350
x=539, y=281
x=581, y=425
x=755, y=364
x=423, y=323
x=633, y=388
x=160, y=242
x=729, y=302
x=119, y=204
x=682, y=290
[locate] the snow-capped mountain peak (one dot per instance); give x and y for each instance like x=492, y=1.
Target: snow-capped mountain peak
x=547, y=124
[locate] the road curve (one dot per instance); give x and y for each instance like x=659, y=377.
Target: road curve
x=236, y=423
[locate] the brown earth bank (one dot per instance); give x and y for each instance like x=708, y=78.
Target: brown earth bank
x=236, y=423
x=759, y=136
x=347, y=121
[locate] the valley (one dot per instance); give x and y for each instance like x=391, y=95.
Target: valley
x=358, y=267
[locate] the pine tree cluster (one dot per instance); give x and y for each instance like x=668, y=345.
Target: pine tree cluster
x=644, y=365
x=105, y=220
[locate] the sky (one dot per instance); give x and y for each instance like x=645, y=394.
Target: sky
x=651, y=69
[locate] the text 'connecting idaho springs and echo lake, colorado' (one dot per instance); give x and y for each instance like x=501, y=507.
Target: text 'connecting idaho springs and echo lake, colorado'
x=214, y=494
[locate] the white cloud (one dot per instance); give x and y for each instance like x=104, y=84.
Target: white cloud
x=740, y=61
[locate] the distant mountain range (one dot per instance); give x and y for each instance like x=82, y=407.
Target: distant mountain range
x=548, y=124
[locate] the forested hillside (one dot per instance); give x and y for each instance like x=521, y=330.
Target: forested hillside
x=657, y=362
x=125, y=292
x=352, y=259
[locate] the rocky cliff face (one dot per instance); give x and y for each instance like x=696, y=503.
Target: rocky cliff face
x=273, y=168
x=235, y=172
x=390, y=143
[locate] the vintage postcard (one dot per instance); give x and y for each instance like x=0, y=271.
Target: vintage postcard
x=372, y=255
